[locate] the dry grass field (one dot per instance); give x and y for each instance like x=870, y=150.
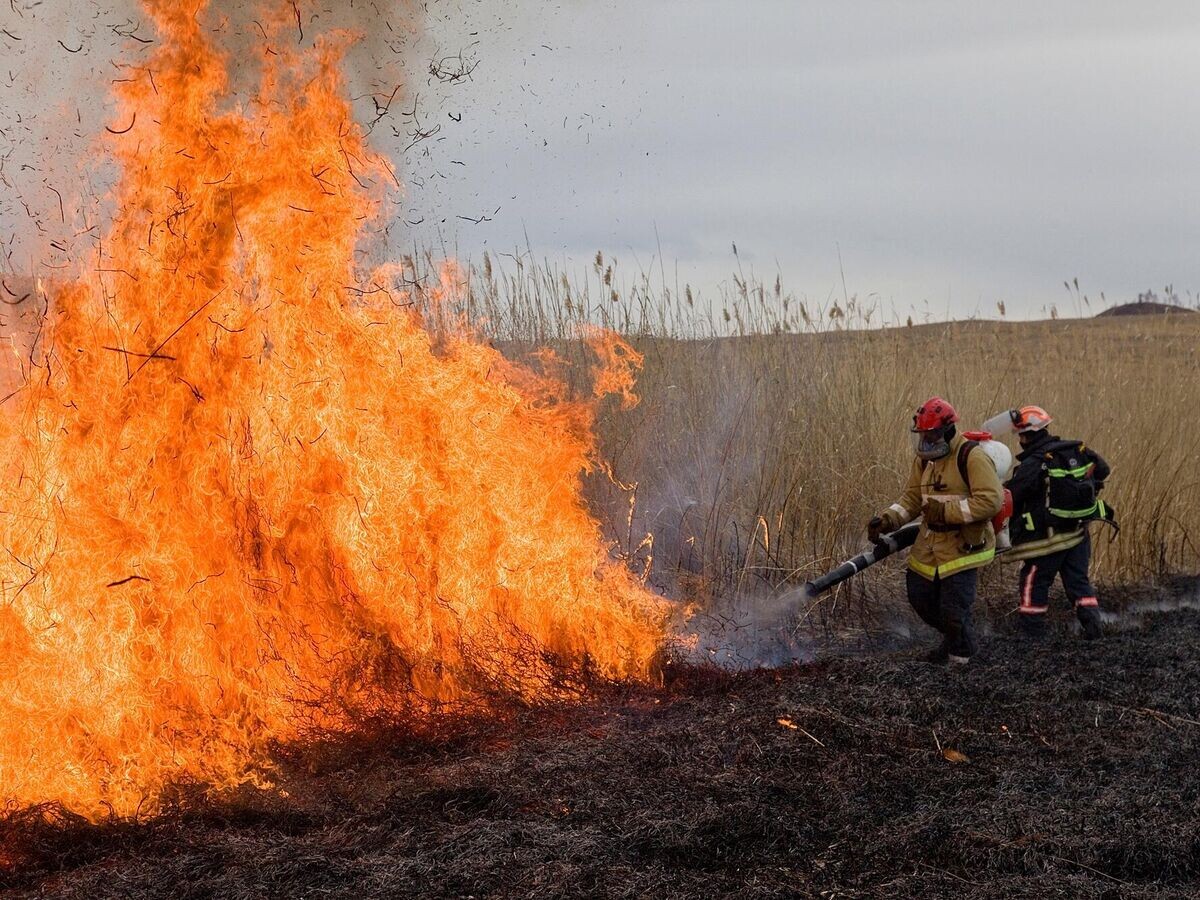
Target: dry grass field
x=771, y=429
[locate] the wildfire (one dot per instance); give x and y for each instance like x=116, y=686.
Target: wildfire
x=244, y=496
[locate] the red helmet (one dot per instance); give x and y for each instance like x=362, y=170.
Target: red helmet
x=934, y=413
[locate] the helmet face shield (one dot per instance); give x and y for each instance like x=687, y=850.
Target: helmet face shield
x=933, y=443
x=1002, y=424
x=1025, y=420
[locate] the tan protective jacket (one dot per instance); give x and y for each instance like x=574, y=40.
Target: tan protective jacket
x=969, y=540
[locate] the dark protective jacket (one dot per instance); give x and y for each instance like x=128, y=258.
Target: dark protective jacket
x=1035, y=531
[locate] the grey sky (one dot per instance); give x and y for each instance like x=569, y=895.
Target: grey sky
x=957, y=153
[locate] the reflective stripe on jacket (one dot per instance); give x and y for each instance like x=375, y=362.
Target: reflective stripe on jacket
x=1044, y=546
x=969, y=542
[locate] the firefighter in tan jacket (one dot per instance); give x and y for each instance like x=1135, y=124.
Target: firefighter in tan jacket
x=954, y=487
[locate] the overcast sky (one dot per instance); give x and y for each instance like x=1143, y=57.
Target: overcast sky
x=956, y=154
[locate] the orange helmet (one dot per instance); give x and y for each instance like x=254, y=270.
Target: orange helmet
x=1030, y=418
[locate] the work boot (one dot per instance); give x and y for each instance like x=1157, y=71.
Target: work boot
x=939, y=656
x=1090, y=622
x=1032, y=627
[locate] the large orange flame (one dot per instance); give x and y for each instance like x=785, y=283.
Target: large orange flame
x=244, y=497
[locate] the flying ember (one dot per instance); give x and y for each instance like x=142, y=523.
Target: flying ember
x=246, y=497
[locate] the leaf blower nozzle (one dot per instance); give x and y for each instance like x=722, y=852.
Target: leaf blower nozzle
x=888, y=544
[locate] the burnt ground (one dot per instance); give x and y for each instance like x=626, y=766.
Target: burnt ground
x=1060, y=770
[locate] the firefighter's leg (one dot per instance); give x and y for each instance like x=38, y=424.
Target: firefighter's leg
x=923, y=598
x=1079, y=588
x=957, y=598
x=1036, y=577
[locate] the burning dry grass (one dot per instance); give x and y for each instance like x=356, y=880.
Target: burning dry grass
x=247, y=497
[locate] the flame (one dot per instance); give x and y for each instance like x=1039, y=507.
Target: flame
x=246, y=495
x=617, y=366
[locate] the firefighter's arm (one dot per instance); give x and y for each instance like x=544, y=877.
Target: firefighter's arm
x=987, y=496
x=1100, y=469
x=1025, y=480
x=908, y=507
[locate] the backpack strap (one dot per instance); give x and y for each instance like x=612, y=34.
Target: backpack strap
x=964, y=453
x=1108, y=516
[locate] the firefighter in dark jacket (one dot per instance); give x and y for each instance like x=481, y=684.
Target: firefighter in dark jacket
x=953, y=486
x=1055, y=489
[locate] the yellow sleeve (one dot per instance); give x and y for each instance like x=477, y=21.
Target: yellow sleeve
x=908, y=507
x=987, y=496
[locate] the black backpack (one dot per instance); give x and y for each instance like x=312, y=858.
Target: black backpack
x=1071, y=491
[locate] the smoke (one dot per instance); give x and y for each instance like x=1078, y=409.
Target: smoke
x=62, y=59
x=701, y=453
x=387, y=40
x=1132, y=616
x=758, y=630
x=701, y=456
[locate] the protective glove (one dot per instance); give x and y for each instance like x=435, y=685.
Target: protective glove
x=874, y=529
x=934, y=512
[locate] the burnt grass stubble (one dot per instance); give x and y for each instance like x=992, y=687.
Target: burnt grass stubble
x=1077, y=777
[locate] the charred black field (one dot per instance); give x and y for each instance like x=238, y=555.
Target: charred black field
x=1060, y=769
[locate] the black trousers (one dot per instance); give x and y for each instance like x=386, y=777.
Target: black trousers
x=1037, y=575
x=945, y=604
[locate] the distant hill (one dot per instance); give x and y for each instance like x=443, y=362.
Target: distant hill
x=1144, y=308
